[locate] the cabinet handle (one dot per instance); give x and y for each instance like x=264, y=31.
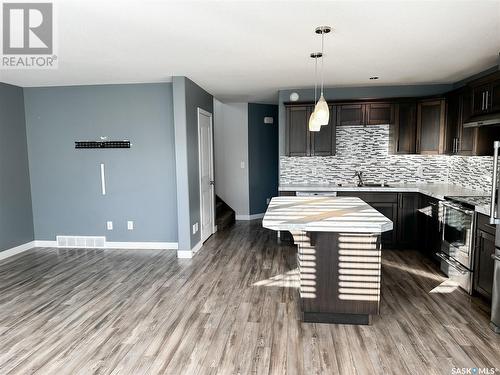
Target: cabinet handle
x=486, y=100
x=397, y=147
x=482, y=102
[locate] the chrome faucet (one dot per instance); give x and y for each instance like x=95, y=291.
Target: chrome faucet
x=359, y=175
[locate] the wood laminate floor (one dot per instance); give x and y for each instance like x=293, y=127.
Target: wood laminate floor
x=232, y=309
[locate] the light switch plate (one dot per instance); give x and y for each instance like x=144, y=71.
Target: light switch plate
x=242, y=165
x=109, y=225
x=130, y=225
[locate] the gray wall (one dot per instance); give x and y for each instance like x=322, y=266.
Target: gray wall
x=262, y=156
x=16, y=218
x=187, y=98
x=345, y=93
x=65, y=182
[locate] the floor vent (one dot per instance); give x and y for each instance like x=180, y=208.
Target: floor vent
x=86, y=242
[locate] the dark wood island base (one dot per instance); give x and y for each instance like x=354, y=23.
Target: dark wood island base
x=339, y=276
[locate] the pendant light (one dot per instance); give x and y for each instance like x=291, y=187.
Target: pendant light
x=314, y=125
x=321, y=109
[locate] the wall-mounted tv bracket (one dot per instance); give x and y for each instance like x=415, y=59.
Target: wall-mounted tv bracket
x=102, y=144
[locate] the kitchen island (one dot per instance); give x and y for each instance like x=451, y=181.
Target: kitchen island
x=339, y=255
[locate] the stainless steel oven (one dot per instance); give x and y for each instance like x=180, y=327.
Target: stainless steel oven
x=457, y=243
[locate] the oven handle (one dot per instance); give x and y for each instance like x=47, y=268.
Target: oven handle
x=458, y=208
x=455, y=265
x=494, y=212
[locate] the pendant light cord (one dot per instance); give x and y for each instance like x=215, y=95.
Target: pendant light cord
x=322, y=58
x=315, y=77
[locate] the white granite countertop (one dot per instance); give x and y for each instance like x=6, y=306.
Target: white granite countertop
x=324, y=214
x=483, y=209
x=438, y=191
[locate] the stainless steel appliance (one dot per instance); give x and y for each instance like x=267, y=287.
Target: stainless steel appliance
x=457, y=241
x=494, y=219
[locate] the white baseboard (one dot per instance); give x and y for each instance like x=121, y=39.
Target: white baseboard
x=188, y=254
x=197, y=247
x=122, y=245
x=184, y=254
x=142, y=245
x=17, y=250
x=45, y=243
x=109, y=245
x=250, y=217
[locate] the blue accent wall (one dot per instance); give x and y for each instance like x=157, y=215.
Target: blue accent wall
x=66, y=186
x=16, y=218
x=262, y=156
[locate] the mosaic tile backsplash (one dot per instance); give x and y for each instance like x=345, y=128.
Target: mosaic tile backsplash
x=366, y=149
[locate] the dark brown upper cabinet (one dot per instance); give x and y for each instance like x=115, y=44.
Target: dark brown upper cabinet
x=458, y=139
x=379, y=113
x=486, y=95
x=431, y=115
x=323, y=142
x=351, y=114
x=404, y=130
x=467, y=137
x=297, y=133
x=495, y=96
x=371, y=113
x=300, y=141
x=480, y=99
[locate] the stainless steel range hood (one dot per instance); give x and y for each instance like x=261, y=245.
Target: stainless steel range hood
x=486, y=120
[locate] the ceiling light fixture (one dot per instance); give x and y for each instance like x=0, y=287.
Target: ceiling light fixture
x=321, y=109
x=314, y=125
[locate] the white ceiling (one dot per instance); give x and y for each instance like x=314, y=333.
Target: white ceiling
x=246, y=51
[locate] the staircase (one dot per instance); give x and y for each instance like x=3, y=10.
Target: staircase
x=224, y=215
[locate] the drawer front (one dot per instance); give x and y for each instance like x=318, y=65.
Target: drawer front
x=483, y=223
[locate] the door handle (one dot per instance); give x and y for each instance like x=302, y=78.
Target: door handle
x=459, y=268
x=495, y=257
x=212, y=183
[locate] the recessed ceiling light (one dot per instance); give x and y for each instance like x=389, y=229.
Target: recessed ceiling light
x=374, y=77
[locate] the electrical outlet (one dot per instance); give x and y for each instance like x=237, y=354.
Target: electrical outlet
x=195, y=228
x=130, y=225
x=242, y=165
x=109, y=225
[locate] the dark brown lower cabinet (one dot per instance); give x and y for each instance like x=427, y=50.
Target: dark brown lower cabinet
x=407, y=220
x=484, y=263
x=387, y=205
x=429, y=226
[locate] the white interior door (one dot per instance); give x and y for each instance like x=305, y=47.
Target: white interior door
x=207, y=192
